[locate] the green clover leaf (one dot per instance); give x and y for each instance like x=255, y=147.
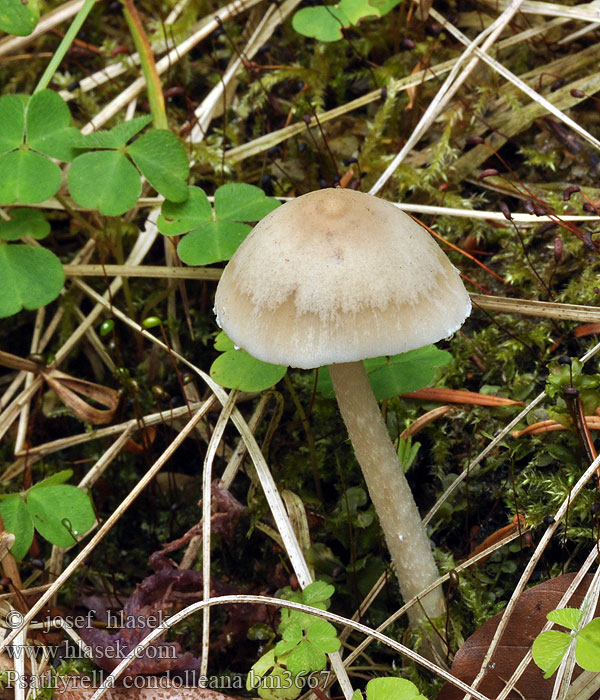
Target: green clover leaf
x=587, y=651
x=326, y=22
x=323, y=635
x=108, y=178
x=214, y=237
x=567, y=617
x=17, y=520
x=33, y=130
x=29, y=277
x=236, y=369
x=398, y=374
x=57, y=511
x=386, y=688
x=106, y=181
x=549, y=649
x=306, y=657
x=18, y=17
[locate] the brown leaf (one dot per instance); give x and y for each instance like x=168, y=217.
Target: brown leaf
x=75, y=691
x=525, y=624
x=70, y=389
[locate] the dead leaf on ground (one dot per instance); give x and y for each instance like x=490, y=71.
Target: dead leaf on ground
x=525, y=624
x=147, y=693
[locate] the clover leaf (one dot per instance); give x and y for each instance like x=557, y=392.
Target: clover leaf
x=18, y=17
x=550, y=647
x=386, y=688
x=306, y=640
x=107, y=177
x=272, y=679
x=398, y=374
x=236, y=369
x=326, y=22
x=587, y=651
x=29, y=277
x=214, y=236
x=59, y=512
x=34, y=130
x=308, y=647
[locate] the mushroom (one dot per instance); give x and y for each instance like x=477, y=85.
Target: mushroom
x=331, y=278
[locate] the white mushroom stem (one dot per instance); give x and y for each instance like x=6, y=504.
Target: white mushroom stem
x=399, y=517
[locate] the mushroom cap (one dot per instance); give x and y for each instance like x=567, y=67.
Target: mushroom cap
x=338, y=276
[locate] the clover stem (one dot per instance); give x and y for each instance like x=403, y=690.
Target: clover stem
x=396, y=509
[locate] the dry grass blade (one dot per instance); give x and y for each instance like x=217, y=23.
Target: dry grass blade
x=548, y=426
x=153, y=271
x=473, y=398
x=215, y=440
x=540, y=309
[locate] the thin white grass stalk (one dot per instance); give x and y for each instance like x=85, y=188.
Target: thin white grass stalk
x=176, y=11
x=277, y=602
x=111, y=520
x=213, y=445
x=526, y=660
x=530, y=219
x=138, y=253
x=129, y=270
x=567, y=666
x=578, y=34
x=588, y=12
x=584, y=686
x=457, y=77
x=20, y=642
x=590, y=353
x=266, y=478
x=530, y=92
x=241, y=451
x=542, y=309
x=131, y=107
x=434, y=210
x=539, y=550
x=102, y=76
x=204, y=112
x=48, y=21
x=33, y=348
x=133, y=424
x=166, y=63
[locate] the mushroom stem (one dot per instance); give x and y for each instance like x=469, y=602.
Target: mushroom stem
x=399, y=517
